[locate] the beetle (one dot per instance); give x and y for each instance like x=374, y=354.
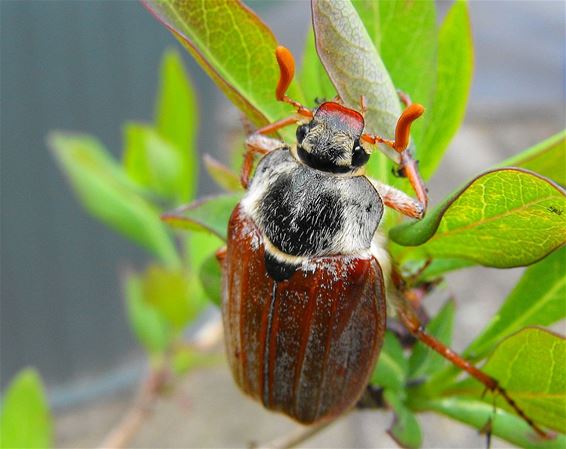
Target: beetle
x=305, y=272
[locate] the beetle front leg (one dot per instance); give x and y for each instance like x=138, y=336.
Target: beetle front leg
x=407, y=315
x=258, y=143
x=255, y=144
x=408, y=167
x=399, y=200
x=407, y=164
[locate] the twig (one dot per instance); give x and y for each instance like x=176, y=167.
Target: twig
x=297, y=437
x=148, y=393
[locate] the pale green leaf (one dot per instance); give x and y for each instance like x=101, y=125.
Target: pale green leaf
x=405, y=429
x=538, y=299
x=547, y=158
x=505, y=425
x=209, y=214
x=436, y=268
x=355, y=68
x=25, y=421
x=223, y=176
x=202, y=249
x=187, y=359
x=424, y=360
x=177, y=122
x=146, y=323
x=503, y=218
x=390, y=372
x=168, y=292
x=405, y=35
x=313, y=78
x=153, y=162
x=109, y=195
x=454, y=78
x=211, y=279
x=233, y=46
x=530, y=366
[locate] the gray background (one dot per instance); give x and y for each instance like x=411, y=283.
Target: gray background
x=91, y=65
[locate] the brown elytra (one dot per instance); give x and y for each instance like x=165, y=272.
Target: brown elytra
x=305, y=346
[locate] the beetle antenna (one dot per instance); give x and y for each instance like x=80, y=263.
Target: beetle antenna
x=286, y=73
x=402, y=130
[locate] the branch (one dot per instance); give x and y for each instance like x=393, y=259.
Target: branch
x=147, y=395
x=149, y=391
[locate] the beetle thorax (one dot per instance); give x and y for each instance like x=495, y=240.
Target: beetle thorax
x=306, y=213
x=330, y=142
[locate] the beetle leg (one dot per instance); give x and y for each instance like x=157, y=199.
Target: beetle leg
x=221, y=255
x=398, y=200
x=408, y=317
x=276, y=126
x=256, y=143
x=405, y=98
x=407, y=164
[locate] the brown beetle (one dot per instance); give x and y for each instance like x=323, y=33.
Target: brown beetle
x=303, y=271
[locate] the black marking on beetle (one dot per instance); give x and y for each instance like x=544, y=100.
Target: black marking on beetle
x=308, y=213
x=301, y=133
x=359, y=156
x=295, y=228
x=555, y=210
x=278, y=270
x=324, y=162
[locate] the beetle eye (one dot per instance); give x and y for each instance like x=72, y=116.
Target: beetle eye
x=359, y=156
x=301, y=133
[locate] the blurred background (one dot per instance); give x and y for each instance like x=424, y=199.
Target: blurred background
x=91, y=65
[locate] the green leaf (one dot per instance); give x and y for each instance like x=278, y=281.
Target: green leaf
x=538, y=299
x=547, y=158
x=425, y=361
x=313, y=78
x=109, y=195
x=233, y=46
x=177, y=122
x=222, y=175
x=390, y=372
x=209, y=214
x=530, y=366
x=505, y=425
x=437, y=267
x=168, y=292
x=454, y=78
x=503, y=218
x=153, y=162
x=211, y=279
x=186, y=359
x=25, y=421
x=147, y=324
x=355, y=68
x=405, y=429
x=202, y=247
x=405, y=35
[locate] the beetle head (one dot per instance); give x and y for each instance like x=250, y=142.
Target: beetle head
x=331, y=140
